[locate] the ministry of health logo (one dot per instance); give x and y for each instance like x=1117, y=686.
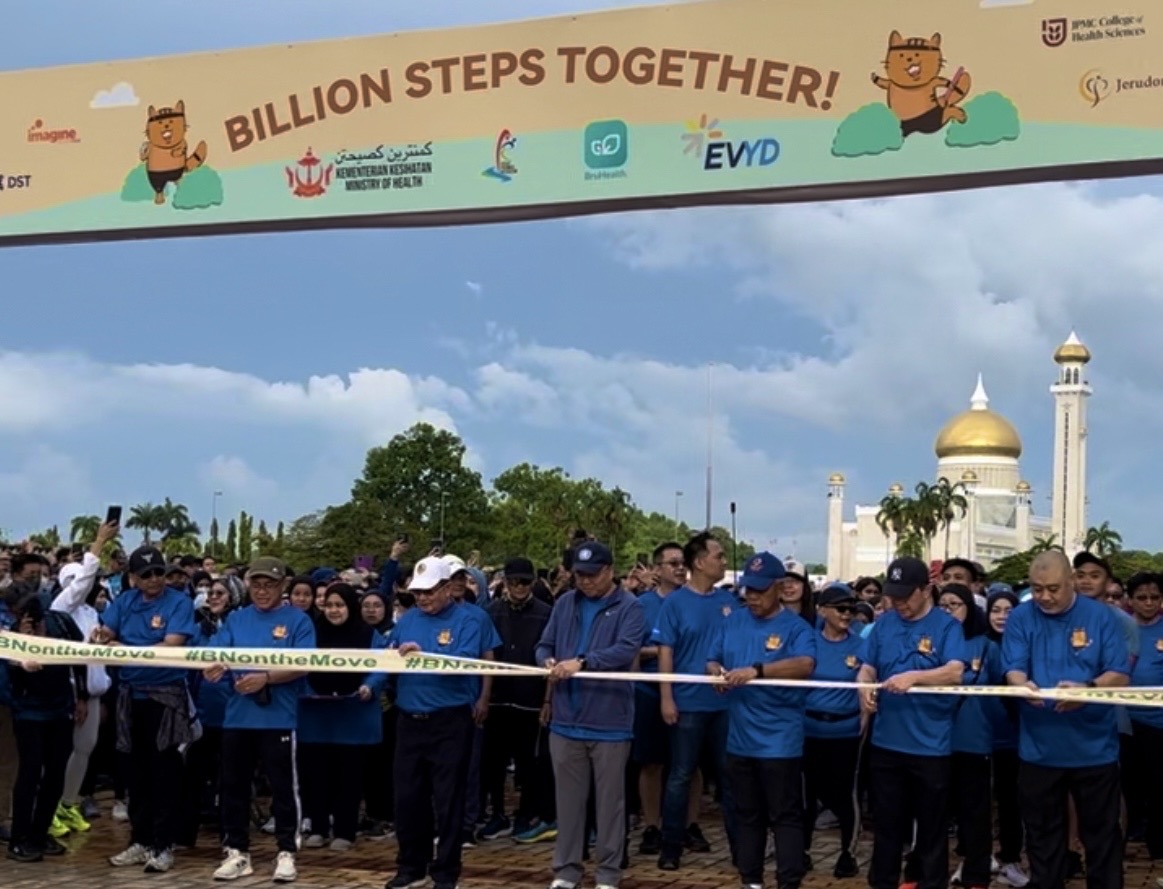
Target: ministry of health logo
x=1055, y=31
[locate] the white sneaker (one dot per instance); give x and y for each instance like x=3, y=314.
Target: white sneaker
x=994, y=865
x=120, y=811
x=285, y=870
x=338, y=845
x=314, y=841
x=562, y=884
x=136, y=854
x=1013, y=875
x=235, y=864
x=269, y=827
x=605, y=886
x=955, y=880
x=159, y=862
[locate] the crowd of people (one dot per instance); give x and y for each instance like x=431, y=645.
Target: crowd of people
x=428, y=756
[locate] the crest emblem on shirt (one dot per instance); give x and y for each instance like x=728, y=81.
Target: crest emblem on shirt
x=975, y=665
x=1078, y=639
x=851, y=662
x=1159, y=644
x=925, y=645
x=156, y=622
x=444, y=637
x=279, y=632
x=726, y=611
x=773, y=643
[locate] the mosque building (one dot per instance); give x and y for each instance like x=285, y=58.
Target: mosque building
x=981, y=449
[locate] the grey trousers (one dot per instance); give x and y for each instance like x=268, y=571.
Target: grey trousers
x=574, y=764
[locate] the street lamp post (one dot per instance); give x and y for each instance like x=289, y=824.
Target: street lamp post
x=677, y=497
x=443, y=499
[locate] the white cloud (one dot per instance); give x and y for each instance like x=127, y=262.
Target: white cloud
x=234, y=474
x=121, y=95
x=475, y=288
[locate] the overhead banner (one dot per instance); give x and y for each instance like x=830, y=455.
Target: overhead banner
x=730, y=101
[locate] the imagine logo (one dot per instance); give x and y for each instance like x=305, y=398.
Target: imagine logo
x=606, y=145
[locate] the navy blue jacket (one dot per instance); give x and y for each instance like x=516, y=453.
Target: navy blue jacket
x=596, y=704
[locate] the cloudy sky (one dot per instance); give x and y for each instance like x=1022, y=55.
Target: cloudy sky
x=842, y=336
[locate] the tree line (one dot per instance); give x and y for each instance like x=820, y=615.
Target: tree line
x=419, y=485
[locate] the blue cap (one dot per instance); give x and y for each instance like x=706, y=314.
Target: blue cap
x=591, y=557
x=763, y=569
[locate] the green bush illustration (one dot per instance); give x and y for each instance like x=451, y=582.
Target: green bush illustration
x=873, y=129
x=990, y=118
x=197, y=190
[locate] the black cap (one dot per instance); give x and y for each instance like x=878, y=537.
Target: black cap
x=972, y=567
x=520, y=569
x=1089, y=558
x=905, y=576
x=591, y=557
x=834, y=594
x=144, y=558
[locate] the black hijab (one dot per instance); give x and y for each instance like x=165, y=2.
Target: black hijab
x=1012, y=598
x=385, y=625
x=352, y=633
x=975, y=623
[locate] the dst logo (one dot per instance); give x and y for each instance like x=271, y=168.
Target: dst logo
x=15, y=181
x=1055, y=31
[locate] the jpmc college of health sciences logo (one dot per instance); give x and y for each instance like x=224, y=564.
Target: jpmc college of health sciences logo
x=1055, y=31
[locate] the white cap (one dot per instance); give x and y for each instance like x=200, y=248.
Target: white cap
x=455, y=564
x=429, y=573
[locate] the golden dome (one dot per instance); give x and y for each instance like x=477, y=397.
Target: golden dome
x=1024, y=488
x=1072, y=351
x=896, y=489
x=978, y=432
x=836, y=479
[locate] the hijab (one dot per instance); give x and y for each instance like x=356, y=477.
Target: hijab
x=388, y=622
x=1010, y=597
x=352, y=633
x=975, y=623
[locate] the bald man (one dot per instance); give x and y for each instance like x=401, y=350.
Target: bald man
x=1060, y=639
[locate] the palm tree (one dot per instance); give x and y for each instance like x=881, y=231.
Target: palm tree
x=147, y=518
x=83, y=528
x=1103, y=540
x=926, y=512
x=950, y=503
x=49, y=538
x=912, y=543
x=893, y=516
x=1044, y=545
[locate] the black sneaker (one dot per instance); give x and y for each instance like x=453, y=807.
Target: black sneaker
x=52, y=847
x=846, y=867
x=695, y=841
x=467, y=840
x=669, y=861
x=651, y=841
x=404, y=881
x=25, y=854
x=495, y=828
x=1074, y=865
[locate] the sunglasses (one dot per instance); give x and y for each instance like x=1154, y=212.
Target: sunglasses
x=845, y=609
x=152, y=573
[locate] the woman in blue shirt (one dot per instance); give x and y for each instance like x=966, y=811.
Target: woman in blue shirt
x=1146, y=595
x=972, y=740
x=1004, y=711
x=832, y=725
x=338, y=717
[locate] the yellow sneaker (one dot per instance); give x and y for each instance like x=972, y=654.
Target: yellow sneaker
x=72, y=819
x=58, y=828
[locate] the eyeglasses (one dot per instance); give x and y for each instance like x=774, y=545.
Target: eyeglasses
x=216, y=592
x=152, y=573
x=952, y=606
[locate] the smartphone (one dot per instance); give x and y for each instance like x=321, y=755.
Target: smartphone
x=113, y=514
x=437, y=546
x=402, y=538
x=77, y=549
x=643, y=559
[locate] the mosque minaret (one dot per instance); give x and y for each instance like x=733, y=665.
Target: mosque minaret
x=981, y=449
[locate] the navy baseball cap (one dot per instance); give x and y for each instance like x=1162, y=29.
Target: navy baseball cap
x=763, y=569
x=905, y=576
x=591, y=557
x=834, y=594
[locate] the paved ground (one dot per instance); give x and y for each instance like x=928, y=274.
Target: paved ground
x=370, y=863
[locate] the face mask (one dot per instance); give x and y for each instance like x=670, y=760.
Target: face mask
x=203, y=591
x=200, y=599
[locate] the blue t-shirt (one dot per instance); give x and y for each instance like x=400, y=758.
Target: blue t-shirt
x=690, y=623
x=920, y=724
x=587, y=612
x=765, y=722
x=836, y=661
x=282, y=627
x=456, y=631
x=651, y=603
x=1078, y=645
x=977, y=714
x=491, y=639
x=1149, y=671
x=136, y=620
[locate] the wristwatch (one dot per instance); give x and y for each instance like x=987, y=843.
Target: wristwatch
x=581, y=659
x=1091, y=684
x=758, y=668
